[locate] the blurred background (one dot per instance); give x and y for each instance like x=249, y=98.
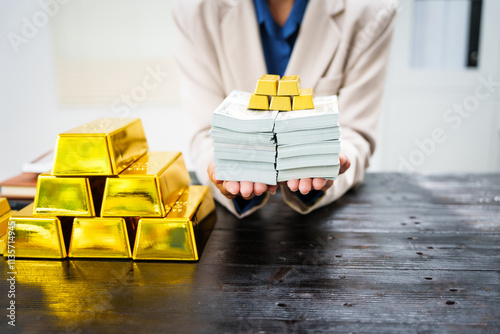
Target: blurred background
x=66, y=62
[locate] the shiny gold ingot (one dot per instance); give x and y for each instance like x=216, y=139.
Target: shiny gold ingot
x=289, y=85
x=258, y=102
x=4, y=206
x=304, y=100
x=101, y=238
x=103, y=147
x=4, y=221
x=3, y=245
x=181, y=235
x=4, y=224
x=38, y=237
x=146, y=187
x=267, y=85
x=281, y=103
x=67, y=196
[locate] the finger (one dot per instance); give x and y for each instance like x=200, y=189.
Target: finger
x=224, y=192
x=345, y=163
x=211, y=173
x=272, y=189
x=293, y=184
x=233, y=187
x=328, y=184
x=305, y=186
x=318, y=183
x=246, y=188
x=259, y=188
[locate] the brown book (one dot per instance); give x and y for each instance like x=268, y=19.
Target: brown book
x=19, y=186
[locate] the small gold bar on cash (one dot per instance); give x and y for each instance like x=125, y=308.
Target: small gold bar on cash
x=181, y=235
x=4, y=206
x=258, y=102
x=146, y=187
x=101, y=238
x=281, y=103
x=267, y=85
x=103, y=147
x=68, y=196
x=304, y=100
x=38, y=237
x=289, y=85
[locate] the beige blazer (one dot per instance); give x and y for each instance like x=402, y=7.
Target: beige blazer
x=342, y=48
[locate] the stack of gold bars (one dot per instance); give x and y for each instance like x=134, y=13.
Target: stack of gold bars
x=107, y=196
x=285, y=94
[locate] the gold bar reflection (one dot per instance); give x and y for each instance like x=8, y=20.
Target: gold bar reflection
x=258, y=102
x=101, y=238
x=39, y=237
x=67, y=290
x=289, y=85
x=304, y=100
x=267, y=85
x=181, y=235
x=146, y=187
x=103, y=147
x=281, y=103
x=68, y=196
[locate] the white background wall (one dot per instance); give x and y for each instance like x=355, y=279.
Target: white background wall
x=34, y=108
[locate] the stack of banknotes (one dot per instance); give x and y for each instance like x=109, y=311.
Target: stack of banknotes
x=308, y=142
x=270, y=146
x=244, y=141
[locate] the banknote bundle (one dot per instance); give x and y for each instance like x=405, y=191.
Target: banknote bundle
x=308, y=142
x=244, y=142
x=255, y=142
x=108, y=196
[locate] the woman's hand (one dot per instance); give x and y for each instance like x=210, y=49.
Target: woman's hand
x=308, y=184
x=245, y=189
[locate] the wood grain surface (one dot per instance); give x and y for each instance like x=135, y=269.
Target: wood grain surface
x=400, y=254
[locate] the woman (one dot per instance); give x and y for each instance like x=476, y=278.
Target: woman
x=336, y=47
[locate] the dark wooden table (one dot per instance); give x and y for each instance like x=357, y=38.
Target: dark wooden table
x=402, y=253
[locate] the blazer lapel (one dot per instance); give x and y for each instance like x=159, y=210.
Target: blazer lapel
x=242, y=46
x=318, y=38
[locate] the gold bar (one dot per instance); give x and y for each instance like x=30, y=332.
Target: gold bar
x=103, y=147
x=39, y=237
x=267, y=84
x=258, y=102
x=4, y=206
x=4, y=223
x=281, y=103
x=146, y=187
x=3, y=245
x=304, y=100
x=68, y=196
x=181, y=235
x=101, y=238
x=289, y=85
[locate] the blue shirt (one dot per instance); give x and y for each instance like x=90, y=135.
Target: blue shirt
x=278, y=42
